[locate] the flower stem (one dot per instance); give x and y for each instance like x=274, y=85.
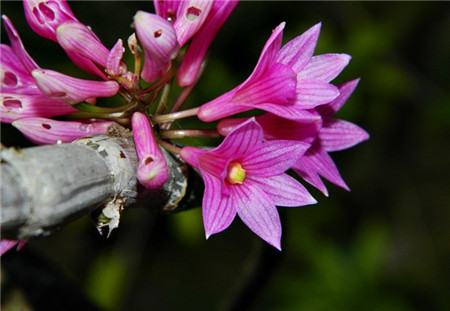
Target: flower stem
x=164, y=118
x=182, y=98
x=189, y=133
x=169, y=147
x=169, y=75
x=163, y=100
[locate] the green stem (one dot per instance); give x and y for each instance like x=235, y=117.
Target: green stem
x=163, y=100
x=174, y=134
x=169, y=147
x=164, y=118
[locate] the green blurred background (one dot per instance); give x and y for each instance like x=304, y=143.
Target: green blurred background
x=382, y=246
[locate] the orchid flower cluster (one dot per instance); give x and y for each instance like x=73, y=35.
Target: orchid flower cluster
x=289, y=93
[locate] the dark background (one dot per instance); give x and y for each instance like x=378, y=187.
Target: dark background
x=383, y=246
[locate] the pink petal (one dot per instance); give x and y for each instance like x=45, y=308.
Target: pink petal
x=290, y=112
x=276, y=127
x=324, y=67
x=297, y=52
x=166, y=8
x=258, y=212
x=48, y=131
x=6, y=245
x=114, y=65
x=241, y=141
x=226, y=126
x=284, y=190
x=314, y=93
x=45, y=16
x=338, y=135
x=17, y=106
x=85, y=64
x=70, y=89
x=190, y=68
x=218, y=209
x=273, y=157
x=191, y=155
x=17, y=46
x=308, y=172
x=345, y=90
x=318, y=160
x=191, y=15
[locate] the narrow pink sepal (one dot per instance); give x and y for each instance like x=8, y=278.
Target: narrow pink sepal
x=312, y=93
x=285, y=190
x=337, y=135
x=324, y=67
x=82, y=45
x=48, y=131
x=191, y=15
x=218, y=210
x=152, y=171
x=17, y=46
x=159, y=40
x=167, y=9
x=273, y=157
x=16, y=106
x=114, y=65
x=190, y=68
x=310, y=175
x=258, y=212
x=298, y=51
x=45, y=16
x=70, y=89
x=345, y=91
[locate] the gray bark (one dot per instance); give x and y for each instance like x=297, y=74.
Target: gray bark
x=47, y=186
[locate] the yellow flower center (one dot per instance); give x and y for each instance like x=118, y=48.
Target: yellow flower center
x=236, y=174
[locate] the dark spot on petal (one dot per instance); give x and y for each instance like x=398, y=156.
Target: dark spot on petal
x=192, y=13
x=10, y=79
x=48, y=13
x=46, y=126
x=148, y=160
x=58, y=94
x=12, y=103
x=37, y=14
x=157, y=33
x=122, y=155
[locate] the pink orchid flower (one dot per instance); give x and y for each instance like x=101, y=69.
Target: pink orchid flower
x=285, y=82
x=246, y=176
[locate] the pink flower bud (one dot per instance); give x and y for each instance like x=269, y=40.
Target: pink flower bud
x=114, y=65
x=152, y=170
x=191, y=15
x=16, y=106
x=72, y=90
x=44, y=16
x=83, y=47
x=190, y=68
x=48, y=131
x=158, y=38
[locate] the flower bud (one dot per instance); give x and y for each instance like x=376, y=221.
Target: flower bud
x=167, y=8
x=44, y=16
x=158, y=38
x=48, y=131
x=114, y=65
x=191, y=15
x=152, y=170
x=72, y=90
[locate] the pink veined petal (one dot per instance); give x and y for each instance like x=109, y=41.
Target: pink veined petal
x=218, y=209
x=70, y=89
x=276, y=86
x=241, y=141
x=13, y=73
x=144, y=138
x=297, y=52
x=258, y=212
x=48, y=131
x=319, y=161
x=18, y=47
x=192, y=155
x=290, y=112
x=114, y=65
x=284, y=190
x=17, y=106
x=345, y=90
x=226, y=126
x=324, y=67
x=190, y=68
x=45, y=16
x=338, y=135
x=166, y=8
x=314, y=93
x=307, y=171
x=85, y=64
x=273, y=158
x=191, y=15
